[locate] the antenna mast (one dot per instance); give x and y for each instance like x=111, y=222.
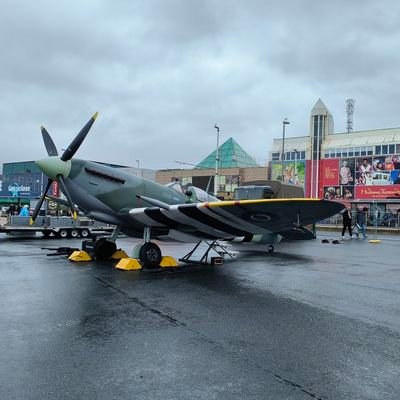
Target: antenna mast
x=349, y=113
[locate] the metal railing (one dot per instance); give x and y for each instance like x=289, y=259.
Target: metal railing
x=380, y=220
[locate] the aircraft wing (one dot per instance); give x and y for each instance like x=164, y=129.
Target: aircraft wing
x=227, y=219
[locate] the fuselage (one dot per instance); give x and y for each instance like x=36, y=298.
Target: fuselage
x=106, y=193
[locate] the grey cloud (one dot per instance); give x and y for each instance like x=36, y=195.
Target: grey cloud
x=161, y=73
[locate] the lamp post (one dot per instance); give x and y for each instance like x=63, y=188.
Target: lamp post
x=284, y=123
x=216, y=162
x=138, y=167
x=295, y=167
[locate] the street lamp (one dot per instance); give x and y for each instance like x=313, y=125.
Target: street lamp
x=284, y=123
x=216, y=162
x=295, y=167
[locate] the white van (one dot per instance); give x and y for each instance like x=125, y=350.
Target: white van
x=381, y=178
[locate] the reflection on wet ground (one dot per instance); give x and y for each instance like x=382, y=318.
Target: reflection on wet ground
x=313, y=320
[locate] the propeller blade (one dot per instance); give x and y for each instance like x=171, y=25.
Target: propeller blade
x=61, y=181
x=79, y=138
x=40, y=202
x=48, y=142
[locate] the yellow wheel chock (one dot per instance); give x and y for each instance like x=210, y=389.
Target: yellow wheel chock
x=79, y=256
x=129, y=264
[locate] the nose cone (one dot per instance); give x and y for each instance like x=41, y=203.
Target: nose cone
x=53, y=166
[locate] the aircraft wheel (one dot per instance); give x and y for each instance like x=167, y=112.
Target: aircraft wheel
x=104, y=249
x=85, y=233
x=271, y=248
x=150, y=255
x=63, y=233
x=74, y=233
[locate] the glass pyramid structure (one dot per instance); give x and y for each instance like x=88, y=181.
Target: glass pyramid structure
x=231, y=155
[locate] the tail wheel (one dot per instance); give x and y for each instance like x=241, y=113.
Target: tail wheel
x=85, y=233
x=74, y=233
x=150, y=255
x=104, y=249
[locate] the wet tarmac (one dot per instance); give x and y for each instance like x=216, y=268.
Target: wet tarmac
x=312, y=321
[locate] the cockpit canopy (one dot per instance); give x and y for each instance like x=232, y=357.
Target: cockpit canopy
x=195, y=194
x=198, y=195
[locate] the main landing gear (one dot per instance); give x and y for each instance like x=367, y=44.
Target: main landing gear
x=148, y=252
x=104, y=247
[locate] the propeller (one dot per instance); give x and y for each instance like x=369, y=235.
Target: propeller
x=48, y=142
x=40, y=202
x=79, y=138
x=57, y=169
x=61, y=181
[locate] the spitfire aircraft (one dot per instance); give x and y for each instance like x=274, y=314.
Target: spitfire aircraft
x=145, y=209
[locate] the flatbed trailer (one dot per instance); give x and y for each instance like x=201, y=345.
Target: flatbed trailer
x=49, y=226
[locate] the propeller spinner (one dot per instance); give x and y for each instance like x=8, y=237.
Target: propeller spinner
x=58, y=168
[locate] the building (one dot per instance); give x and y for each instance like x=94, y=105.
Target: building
x=359, y=165
x=23, y=181
x=234, y=167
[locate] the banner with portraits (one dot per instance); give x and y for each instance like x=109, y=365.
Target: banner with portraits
x=343, y=178
x=377, y=173
x=347, y=171
x=293, y=172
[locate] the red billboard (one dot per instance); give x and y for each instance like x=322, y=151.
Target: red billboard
x=55, y=189
x=330, y=171
x=377, y=191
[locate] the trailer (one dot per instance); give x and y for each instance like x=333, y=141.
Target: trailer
x=50, y=226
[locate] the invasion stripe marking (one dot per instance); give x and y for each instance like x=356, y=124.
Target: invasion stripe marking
x=225, y=203
x=235, y=221
x=184, y=220
x=195, y=213
x=156, y=215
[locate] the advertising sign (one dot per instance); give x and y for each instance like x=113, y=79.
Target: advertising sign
x=330, y=171
x=293, y=172
x=377, y=192
x=55, y=189
x=346, y=172
x=360, y=177
x=15, y=190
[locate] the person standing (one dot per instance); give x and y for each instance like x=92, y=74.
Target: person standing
x=347, y=223
x=24, y=211
x=360, y=222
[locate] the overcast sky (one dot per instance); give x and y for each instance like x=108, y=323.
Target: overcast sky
x=161, y=73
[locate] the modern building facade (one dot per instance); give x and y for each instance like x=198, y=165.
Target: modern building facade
x=22, y=182
x=230, y=167
x=359, y=165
